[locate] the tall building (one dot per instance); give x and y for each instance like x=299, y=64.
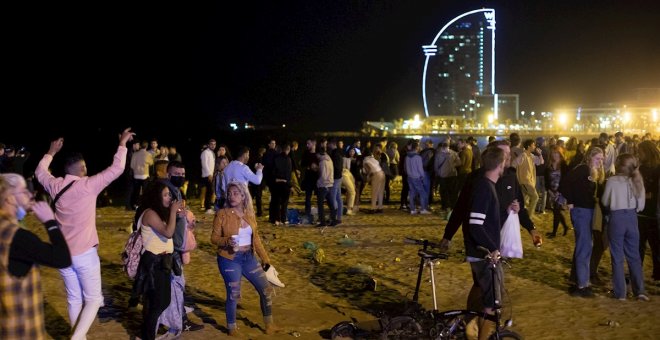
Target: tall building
x=460, y=65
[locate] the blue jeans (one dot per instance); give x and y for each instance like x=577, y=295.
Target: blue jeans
x=624, y=240
x=417, y=188
x=335, y=192
x=581, y=218
x=244, y=264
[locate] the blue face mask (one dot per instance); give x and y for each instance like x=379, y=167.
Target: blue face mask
x=20, y=213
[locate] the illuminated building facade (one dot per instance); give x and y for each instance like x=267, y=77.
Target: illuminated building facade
x=460, y=65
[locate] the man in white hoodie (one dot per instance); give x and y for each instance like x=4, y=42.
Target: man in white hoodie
x=324, y=185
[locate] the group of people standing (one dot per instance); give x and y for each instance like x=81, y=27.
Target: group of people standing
x=163, y=222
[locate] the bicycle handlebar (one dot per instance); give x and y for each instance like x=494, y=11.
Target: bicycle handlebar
x=421, y=242
x=487, y=256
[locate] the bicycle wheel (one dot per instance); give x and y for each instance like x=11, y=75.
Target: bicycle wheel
x=343, y=330
x=506, y=334
x=402, y=327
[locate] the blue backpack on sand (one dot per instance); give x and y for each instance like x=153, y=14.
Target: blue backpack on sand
x=292, y=216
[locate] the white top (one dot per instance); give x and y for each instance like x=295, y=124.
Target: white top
x=619, y=194
x=153, y=241
x=245, y=236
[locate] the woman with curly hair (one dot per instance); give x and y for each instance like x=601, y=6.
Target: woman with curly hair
x=237, y=239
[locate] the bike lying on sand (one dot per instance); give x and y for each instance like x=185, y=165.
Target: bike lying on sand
x=418, y=323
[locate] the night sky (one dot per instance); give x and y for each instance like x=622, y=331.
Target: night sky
x=318, y=65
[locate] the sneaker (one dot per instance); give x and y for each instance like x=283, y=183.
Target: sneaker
x=210, y=211
x=189, y=326
x=584, y=292
x=168, y=336
x=273, y=277
x=642, y=297
x=350, y=212
x=425, y=212
x=413, y=212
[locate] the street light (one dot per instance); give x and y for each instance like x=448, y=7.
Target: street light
x=562, y=119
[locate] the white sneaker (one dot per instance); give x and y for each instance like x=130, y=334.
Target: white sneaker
x=642, y=297
x=272, y=276
x=210, y=212
x=413, y=212
x=425, y=212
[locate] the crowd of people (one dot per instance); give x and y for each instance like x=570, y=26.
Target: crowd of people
x=609, y=186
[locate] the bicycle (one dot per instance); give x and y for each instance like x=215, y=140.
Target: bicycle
x=451, y=324
x=416, y=322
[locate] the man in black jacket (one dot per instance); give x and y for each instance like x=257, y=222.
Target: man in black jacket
x=482, y=237
x=510, y=199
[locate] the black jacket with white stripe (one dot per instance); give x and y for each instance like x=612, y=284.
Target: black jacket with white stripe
x=484, y=219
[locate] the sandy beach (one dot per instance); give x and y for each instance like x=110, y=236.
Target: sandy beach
x=318, y=296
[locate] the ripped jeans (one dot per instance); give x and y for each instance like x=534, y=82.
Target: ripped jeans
x=244, y=264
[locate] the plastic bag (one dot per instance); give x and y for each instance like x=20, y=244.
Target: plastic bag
x=510, y=242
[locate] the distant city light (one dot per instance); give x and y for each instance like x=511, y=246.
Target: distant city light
x=626, y=116
x=233, y=126
x=562, y=118
x=283, y=125
x=654, y=115
x=416, y=123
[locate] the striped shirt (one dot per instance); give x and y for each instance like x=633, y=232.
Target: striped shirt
x=484, y=219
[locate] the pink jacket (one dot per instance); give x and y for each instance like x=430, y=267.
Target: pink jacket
x=76, y=208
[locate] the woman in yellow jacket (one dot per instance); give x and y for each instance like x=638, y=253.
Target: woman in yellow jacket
x=237, y=239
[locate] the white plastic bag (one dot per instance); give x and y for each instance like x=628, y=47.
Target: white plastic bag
x=510, y=242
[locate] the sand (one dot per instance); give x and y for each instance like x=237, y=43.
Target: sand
x=318, y=296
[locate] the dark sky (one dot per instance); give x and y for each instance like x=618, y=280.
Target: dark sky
x=317, y=65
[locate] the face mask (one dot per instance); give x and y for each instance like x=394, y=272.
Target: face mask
x=20, y=213
x=177, y=181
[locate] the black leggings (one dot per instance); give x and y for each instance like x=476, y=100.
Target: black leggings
x=155, y=300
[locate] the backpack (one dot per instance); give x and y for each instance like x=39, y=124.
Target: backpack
x=133, y=251
x=292, y=216
x=191, y=242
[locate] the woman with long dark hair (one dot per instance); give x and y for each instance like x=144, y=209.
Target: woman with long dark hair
x=156, y=224
x=580, y=188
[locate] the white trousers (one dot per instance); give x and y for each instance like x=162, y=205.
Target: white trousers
x=83, y=287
